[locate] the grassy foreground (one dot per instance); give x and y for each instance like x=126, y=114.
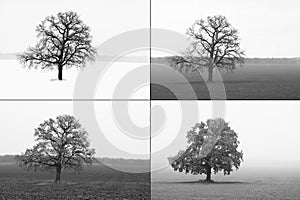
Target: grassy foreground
x=253, y=81
x=96, y=182
x=263, y=190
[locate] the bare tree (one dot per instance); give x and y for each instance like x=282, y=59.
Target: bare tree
x=61, y=144
x=65, y=41
x=214, y=44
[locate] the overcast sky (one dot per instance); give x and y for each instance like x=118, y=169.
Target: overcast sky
x=268, y=28
x=268, y=131
x=19, y=119
x=106, y=18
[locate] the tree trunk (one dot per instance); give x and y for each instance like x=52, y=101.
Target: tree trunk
x=208, y=174
x=210, y=72
x=60, y=69
x=58, y=173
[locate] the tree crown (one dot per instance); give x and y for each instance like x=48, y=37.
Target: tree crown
x=211, y=145
x=213, y=42
x=61, y=142
x=64, y=40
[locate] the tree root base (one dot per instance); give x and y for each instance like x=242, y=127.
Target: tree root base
x=206, y=181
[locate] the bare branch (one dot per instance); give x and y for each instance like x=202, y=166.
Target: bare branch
x=214, y=43
x=64, y=41
x=60, y=143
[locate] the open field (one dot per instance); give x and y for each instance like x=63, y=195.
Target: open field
x=37, y=84
x=227, y=190
x=96, y=182
x=253, y=81
x=239, y=186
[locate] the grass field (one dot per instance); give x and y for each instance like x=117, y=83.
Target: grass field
x=96, y=182
x=227, y=191
x=264, y=185
x=253, y=81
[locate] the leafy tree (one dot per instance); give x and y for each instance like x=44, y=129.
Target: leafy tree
x=64, y=42
x=61, y=144
x=211, y=146
x=214, y=44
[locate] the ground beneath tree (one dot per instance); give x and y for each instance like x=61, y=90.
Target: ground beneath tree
x=97, y=182
x=253, y=81
x=263, y=190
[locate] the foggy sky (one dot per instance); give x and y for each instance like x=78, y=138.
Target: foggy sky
x=20, y=118
x=268, y=131
x=106, y=18
x=268, y=28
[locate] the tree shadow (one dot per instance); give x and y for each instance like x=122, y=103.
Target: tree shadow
x=224, y=82
x=240, y=81
x=55, y=79
x=209, y=182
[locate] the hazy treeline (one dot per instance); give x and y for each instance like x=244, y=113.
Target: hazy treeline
x=134, y=59
x=165, y=60
x=113, y=161
x=7, y=159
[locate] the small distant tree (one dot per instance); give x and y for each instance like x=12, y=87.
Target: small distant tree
x=61, y=144
x=64, y=42
x=214, y=44
x=212, y=146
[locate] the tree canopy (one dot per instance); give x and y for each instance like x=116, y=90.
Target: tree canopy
x=61, y=143
x=64, y=42
x=211, y=146
x=214, y=44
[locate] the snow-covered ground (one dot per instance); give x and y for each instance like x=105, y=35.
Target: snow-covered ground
x=17, y=82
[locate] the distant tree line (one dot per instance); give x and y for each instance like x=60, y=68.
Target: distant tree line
x=166, y=60
x=7, y=159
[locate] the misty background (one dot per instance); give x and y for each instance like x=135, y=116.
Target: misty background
x=267, y=28
x=20, y=118
x=268, y=132
x=20, y=18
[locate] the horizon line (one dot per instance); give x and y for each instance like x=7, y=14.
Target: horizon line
x=250, y=57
